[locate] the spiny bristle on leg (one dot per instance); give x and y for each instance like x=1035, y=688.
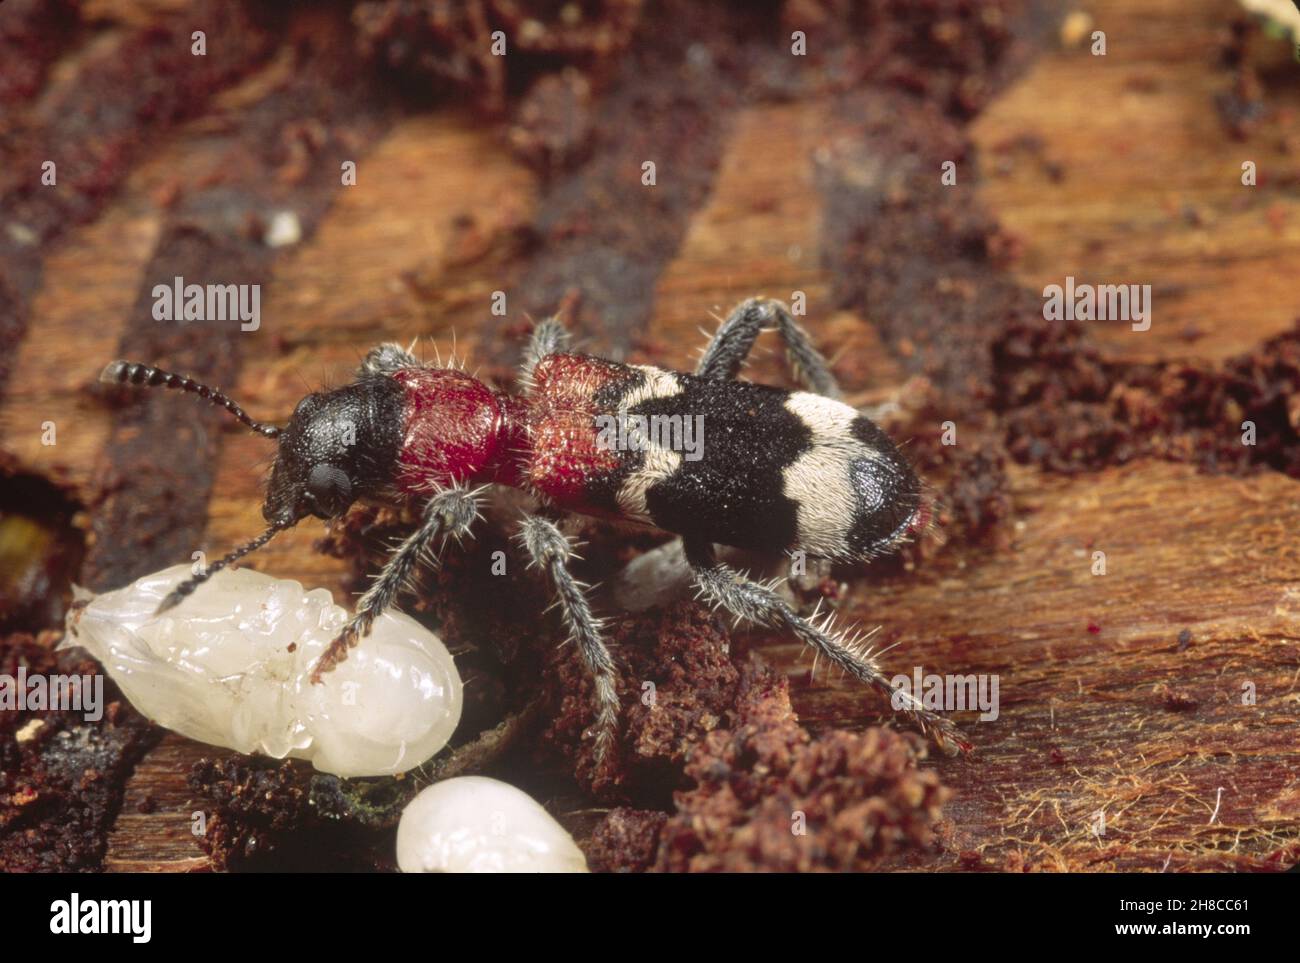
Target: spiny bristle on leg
x=758, y=603
x=549, y=550
x=451, y=511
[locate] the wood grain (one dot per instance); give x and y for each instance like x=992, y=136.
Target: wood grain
x=1102, y=709
x=1130, y=177
x=1111, y=169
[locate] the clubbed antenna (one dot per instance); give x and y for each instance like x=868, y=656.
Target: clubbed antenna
x=186, y=588
x=129, y=372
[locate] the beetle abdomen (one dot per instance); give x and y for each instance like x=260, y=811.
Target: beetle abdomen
x=781, y=471
x=731, y=462
x=856, y=493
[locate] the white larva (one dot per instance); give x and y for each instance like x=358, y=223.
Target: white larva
x=230, y=666
x=473, y=824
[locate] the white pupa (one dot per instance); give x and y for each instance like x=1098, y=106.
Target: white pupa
x=473, y=824
x=231, y=666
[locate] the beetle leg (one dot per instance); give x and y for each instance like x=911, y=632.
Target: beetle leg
x=551, y=551
x=549, y=337
x=735, y=339
x=448, y=514
x=387, y=358
x=753, y=602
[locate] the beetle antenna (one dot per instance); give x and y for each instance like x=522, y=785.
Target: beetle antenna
x=186, y=588
x=130, y=372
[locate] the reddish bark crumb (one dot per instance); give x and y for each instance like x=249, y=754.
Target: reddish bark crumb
x=972, y=860
x=626, y=841
x=1176, y=700
x=676, y=683
x=949, y=51
x=857, y=797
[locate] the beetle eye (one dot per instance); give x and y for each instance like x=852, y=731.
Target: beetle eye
x=330, y=488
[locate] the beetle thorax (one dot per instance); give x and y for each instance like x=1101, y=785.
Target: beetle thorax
x=453, y=429
x=339, y=446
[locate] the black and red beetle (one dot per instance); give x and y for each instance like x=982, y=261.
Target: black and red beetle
x=778, y=471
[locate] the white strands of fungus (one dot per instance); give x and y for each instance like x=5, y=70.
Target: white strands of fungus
x=231, y=666
x=473, y=824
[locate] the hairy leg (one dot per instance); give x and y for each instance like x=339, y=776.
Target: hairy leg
x=448, y=514
x=550, y=551
x=387, y=358
x=549, y=337
x=735, y=339
x=753, y=602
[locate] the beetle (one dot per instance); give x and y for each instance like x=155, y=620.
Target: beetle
x=777, y=471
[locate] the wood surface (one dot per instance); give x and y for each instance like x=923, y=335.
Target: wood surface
x=1103, y=711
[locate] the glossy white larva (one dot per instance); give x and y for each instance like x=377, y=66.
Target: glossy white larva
x=230, y=666
x=473, y=824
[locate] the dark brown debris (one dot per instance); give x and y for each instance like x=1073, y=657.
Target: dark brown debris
x=450, y=45
x=61, y=777
x=261, y=814
x=1067, y=408
x=32, y=34
x=553, y=126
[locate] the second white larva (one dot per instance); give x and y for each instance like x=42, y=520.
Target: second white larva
x=473, y=824
x=230, y=666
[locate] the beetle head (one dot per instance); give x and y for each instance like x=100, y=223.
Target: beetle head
x=339, y=446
